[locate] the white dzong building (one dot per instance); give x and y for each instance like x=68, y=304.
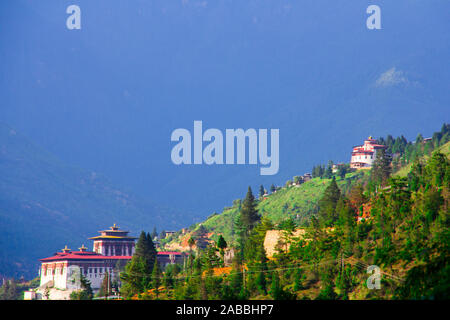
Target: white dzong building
x=113, y=248
x=364, y=155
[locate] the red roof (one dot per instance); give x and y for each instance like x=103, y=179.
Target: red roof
x=90, y=255
x=82, y=255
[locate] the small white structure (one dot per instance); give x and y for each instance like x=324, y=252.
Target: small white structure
x=363, y=156
x=29, y=295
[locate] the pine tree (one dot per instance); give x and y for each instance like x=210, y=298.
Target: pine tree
x=346, y=224
x=146, y=250
x=329, y=170
x=236, y=280
x=298, y=279
x=381, y=169
x=156, y=277
x=327, y=204
x=154, y=233
x=249, y=213
x=137, y=274
x=221, y=243
x=273, y=188
x=262, y=268
x=275, y=288
x=261, y=191
x=170, y=272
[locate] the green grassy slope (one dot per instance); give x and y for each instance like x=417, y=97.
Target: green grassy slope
x=298, y=202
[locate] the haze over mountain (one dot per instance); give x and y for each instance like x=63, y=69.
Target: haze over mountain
x=108, y=96
x=45, y=203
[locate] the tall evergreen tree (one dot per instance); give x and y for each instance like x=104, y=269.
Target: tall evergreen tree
x=381, y=169
x=249, y=213
x=261, y=191
x=327, y=204
x=154, y=233
x=261, y=258
x=156, y=277
x=137, y=274
x=273, y=188
x=329, y=170
x=145, y=249
x=221, y=243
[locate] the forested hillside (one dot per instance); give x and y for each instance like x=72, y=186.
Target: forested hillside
x=395, y=225
x=297, y=202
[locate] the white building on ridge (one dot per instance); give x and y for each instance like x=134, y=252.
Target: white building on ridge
x=363, y=156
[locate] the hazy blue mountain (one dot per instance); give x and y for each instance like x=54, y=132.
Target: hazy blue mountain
x=45, y=204
x=108, y=96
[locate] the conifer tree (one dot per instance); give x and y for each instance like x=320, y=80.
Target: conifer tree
x=273, y=188
x=146, y=250
x=137, y=274
x=381, y=169
x=275, y=288
x=249, y=213
x=156, y=277
x=236, y=281
x=262, y=268
x=154, y=233
x=222, y=245
x=298, y=279
x=329, y=170
x=327, y=204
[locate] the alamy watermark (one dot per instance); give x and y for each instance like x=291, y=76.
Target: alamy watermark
x=73, y=22
x=374, y=281
x=236, y=143
x=374, y=20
